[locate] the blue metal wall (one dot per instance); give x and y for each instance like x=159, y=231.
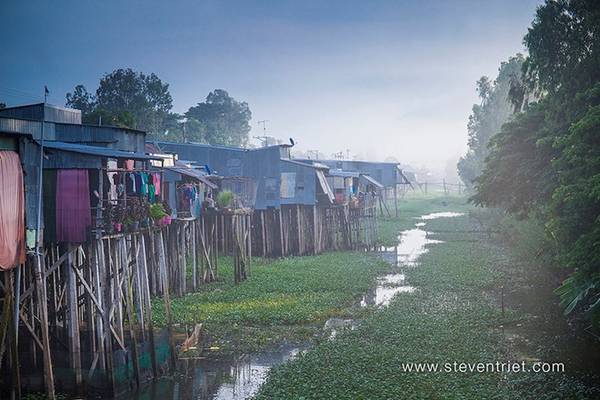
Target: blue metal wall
x=264, y=165
x=385, y=173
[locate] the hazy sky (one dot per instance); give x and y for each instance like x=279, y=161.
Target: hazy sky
x=379, y=78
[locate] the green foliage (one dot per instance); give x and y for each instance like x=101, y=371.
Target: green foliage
x=487, y=118
x=288, y=293
x=178, y=128
x=224, y=198
x=226, y=120
x=125, y=98
x=546, y=162
x=157, y=211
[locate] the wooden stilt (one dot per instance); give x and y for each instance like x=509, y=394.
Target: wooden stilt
x=146, y=299
x=131, y=324
x=73, y=320
x=165, y=279
x=193, y=227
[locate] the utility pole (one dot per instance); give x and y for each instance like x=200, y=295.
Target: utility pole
x=264, y=139
x=264, y=124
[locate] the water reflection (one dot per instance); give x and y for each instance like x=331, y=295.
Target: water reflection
x=445, y=214
x=230, y=378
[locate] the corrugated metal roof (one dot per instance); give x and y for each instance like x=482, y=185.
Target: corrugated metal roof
x=345, y=174
x=372, y=181
x=303, y=164
x=97, y=151
x=196, y=173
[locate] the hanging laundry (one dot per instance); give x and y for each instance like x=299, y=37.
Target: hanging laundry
x=138, y=182
x=151, y=193
x=156, y=182
x=12, y=211
x=144, y=185
x=113, y=178
x=132, y=183
x=196, y=208
x=73, y=213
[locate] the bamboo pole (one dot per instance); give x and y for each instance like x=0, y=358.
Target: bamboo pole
x=73, y=320
x=148, y=305
x=194, y=255
x=130, y=320
x=166, y=298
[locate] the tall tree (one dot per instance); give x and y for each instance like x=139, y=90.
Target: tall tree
x=179, y=128
x=125, y=97
x=226, y=120
x=488, y=116
x=547, y=162
x=81, y=99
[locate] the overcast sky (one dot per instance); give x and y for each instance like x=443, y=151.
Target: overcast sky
x=382, y=79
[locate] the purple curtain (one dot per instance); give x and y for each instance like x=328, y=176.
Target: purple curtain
x=73, y=213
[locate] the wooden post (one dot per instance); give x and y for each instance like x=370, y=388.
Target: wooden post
x=40, y=285
x=396, y=199
x=167, y=300
x=194, y=255
x=73, y=320
x=281, y=231
x=129, y=309
x=96, y=261
x=298, y=229
x=143, y=270
x=105, y=278
x=263, y=240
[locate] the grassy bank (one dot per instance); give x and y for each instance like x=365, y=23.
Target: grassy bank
x=286, y=299
x=454, y=316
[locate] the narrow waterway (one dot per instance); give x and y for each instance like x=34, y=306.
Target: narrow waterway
x=239, y=377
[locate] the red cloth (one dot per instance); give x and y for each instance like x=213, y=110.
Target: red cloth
x=12, y=211
x=73, y=212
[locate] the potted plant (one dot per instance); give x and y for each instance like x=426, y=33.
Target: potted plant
x=118, y=217
x=157, y=212
x=224, y=200
x=128, y=224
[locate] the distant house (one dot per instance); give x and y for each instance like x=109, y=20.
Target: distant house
x=265, y=177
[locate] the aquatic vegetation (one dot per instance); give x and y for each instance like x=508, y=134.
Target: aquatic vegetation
x=453, y=316
x=292, y=293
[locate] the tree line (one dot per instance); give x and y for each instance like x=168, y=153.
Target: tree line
x=136, y=100
x=542, y=159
